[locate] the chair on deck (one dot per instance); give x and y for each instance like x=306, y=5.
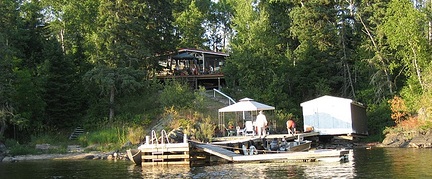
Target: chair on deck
x=230, y=132
x=249, y=130
x=240, y=131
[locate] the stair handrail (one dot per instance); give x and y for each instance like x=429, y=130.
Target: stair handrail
x=154, y=137
x=164, y=134
x=224, y=95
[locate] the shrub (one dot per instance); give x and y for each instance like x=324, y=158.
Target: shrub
x=205, y=131
x=399, y=109
x=177, y=94
x=135, y=134
x=17, y=149
x=378, y=116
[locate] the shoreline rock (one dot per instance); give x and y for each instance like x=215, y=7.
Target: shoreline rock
x=408, y=139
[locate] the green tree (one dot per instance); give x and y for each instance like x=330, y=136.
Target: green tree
x=125, y=42
x=378, y=64
x=62, y=94
x=218, y=25
x=8, y=19
x=317, y=63
x=20, y=38
x=255, y=64
x=189, y=23
x=404, y=26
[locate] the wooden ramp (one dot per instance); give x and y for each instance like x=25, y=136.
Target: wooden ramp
x=218, y=151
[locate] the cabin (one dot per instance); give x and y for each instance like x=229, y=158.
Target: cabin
x=198, y=67
x=331, y=115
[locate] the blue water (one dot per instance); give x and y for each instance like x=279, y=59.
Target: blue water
x=374, y=163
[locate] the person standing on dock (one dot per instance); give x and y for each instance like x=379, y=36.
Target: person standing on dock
x=261, y=123
x=291, y=126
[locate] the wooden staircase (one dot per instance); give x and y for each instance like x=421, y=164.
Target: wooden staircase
x=76, y=133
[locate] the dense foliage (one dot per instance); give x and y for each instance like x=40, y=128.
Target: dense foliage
x=93, y=62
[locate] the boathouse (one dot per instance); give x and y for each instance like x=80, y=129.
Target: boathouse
x=331, y=115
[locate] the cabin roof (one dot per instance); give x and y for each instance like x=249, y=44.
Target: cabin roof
x=209, y=54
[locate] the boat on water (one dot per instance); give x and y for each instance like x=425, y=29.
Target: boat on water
x=298, y=146
x=134, y=155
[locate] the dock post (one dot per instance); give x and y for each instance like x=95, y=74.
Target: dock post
x=185, y=140
x=147, y=140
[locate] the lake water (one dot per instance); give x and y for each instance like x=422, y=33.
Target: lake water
x=374, y=163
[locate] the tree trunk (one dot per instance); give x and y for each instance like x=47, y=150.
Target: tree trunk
x=2, y=127
x=111, y=110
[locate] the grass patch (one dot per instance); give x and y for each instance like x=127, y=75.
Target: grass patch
x=16, y=148
x=107, y=139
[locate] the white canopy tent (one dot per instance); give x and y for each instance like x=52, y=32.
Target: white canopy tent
x=245, y=104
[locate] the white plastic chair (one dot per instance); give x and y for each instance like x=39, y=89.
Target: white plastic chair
x=249, y=130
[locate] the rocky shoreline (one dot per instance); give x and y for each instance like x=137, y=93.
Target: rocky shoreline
x=69, y=156
x=408, y=139
x=75, y=152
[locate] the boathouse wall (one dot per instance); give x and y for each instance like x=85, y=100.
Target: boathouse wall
x=331, y=115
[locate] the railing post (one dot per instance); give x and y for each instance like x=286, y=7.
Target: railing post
x=185, y=140
x=147, y=140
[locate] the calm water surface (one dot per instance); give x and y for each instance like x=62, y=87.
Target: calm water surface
x=375, y=163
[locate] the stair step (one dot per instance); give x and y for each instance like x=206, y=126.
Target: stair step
x=76, y=133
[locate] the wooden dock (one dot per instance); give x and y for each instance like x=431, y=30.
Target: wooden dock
x=189, y=152
x=163, y=154
x=312, y=155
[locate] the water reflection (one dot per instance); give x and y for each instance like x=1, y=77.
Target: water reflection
x=375, y=163
x=254, y=170
x=410, y=162
x=164, y=171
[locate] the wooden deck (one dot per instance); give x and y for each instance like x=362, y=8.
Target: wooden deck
x=201, y=76
x=242, y=139
x=207, y=80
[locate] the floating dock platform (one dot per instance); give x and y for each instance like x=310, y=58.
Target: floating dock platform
x=312, y=155
x=158, y=151
x=165, y=154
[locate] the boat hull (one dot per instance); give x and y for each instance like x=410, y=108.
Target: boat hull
x=134, y=155
x=300, y=146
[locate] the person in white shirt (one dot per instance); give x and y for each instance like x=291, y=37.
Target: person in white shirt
x=261, y=123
